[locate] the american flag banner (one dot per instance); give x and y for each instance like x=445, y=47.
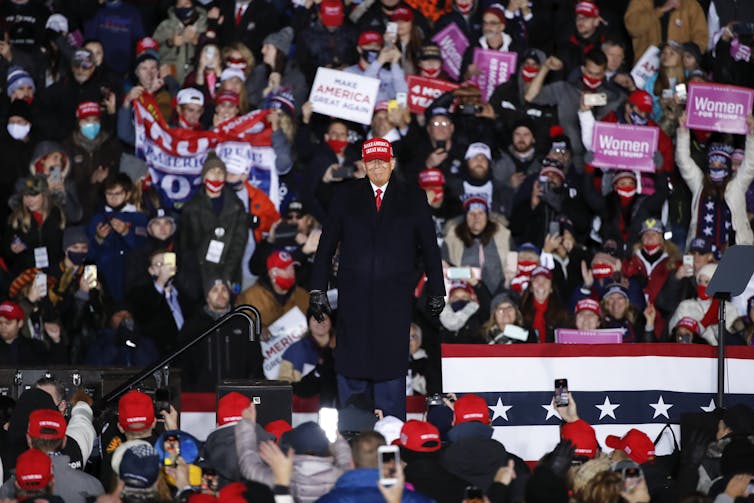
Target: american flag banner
x=616, y=387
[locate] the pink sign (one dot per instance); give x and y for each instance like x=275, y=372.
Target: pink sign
x=422, y=91
x=718, y=107
x=600, y=336
x=623, y=146
x=496, y=67
x=453, y=43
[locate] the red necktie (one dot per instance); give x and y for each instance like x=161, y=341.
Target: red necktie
x=239, y=14
x=378, y=199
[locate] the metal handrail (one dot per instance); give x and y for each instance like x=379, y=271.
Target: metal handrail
x=255, y=330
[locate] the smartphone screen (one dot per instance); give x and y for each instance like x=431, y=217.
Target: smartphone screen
x=388, y=458
x=40, y=284
x=169, y=258
x=172, y=447
x=328, y=421
x=561, y=392
x=554, y=228
x=90, y=274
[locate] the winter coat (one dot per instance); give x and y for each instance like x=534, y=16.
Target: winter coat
x=16, y=157
x=735, y=191
x=74, y=486
x=49, y=235
x=318, y=46
x=377, y=274
x=360, y=486
x=292, y=78
x=258, y=20
x=313, y=476
x=153, y=315
x=85, y=157
x=68, y=198
x=111, y=252
x=181, y=57
x=685, y=24
x=57, y=104
x=261, y=296
x=219, y=452
x=696, y=309
x=118, y=26
x=201, y=226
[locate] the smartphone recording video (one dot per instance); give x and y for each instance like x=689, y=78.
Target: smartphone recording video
x=561, y=393
x=388, y=458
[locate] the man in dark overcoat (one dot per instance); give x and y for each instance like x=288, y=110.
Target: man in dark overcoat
x=385, y=232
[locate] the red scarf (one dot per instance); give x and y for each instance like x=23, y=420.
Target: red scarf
x=710, y=317
x=539, y=324
x=38, y=217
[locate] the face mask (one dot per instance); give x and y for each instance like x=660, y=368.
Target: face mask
x=458, y=305
x=701, y=292
x=236, y=186
x=236, y=63
x=625, y=193
x=718, y=175
x=651, y=250
x=590, y=82
x=526, y=267
x=432, y=73
x=90, y=130
x=602, y=271
x=370, y=55
x=337, y=146
x=465, y=9
x=184, y=13
x=18, y=131
x=76, y=257
x=638, y=119
x=285, y=283
x=528, y=72
x=214, y=186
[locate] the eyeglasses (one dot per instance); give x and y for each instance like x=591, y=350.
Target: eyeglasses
x=441, y=123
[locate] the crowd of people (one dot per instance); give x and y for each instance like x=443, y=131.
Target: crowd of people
x=100, y=267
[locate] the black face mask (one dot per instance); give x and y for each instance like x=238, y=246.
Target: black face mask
x=185, y=14
x=370, y=55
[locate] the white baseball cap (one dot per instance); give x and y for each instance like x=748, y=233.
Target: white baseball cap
x=190, y=96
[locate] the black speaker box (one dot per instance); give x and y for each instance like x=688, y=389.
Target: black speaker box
x=274, y=399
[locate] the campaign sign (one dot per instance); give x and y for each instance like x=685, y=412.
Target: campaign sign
x=286, y=330
x=344, y=95
x=718, y=107
x=422, y=91
x=623, y=146
x=647, y=66
x=599, y=336
x=496, y=67
x=453, y=43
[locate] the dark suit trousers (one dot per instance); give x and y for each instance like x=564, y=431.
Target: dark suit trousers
x=389, y=396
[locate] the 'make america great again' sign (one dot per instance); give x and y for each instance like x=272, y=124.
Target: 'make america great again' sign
x=717, y=107
x=622, y=146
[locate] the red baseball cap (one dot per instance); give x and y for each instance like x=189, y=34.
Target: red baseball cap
x=419, y=436
x=541, y=271
x=230, y=406
x=471, y=407
x=87, y=109
x=642, y=100
x=331, y=13
x=135, y=411
x=431, y=177
x=582, y=436
x=280, y=259
x=377, y=148
x=496, y=10
x=588, y=305
x=11, y=311
x=402, y=14
x=461, y=285
x=46, y=423
x=635, y=443
x=33, y=470
x=689, y=323
x=370, y=37
x=278, y=427
x=147, y=43
x=227, y=96
x=587, y=9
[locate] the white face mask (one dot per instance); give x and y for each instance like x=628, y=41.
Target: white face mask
x=18, y=131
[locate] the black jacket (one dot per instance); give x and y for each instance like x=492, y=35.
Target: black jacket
x=259, y=20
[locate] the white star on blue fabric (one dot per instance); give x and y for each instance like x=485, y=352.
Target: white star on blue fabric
x=710, y=205
x=500, y=410
x=661, y=408
x=710, y=407
x=607, y=408
x=707, y=231
x=551, y=412
x=708, y=218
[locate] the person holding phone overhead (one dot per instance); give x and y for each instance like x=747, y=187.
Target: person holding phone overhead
x=379, y=223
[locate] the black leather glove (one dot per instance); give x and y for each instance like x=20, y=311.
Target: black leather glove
x=318, y=305
x=561, y=457
x=435, y=304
